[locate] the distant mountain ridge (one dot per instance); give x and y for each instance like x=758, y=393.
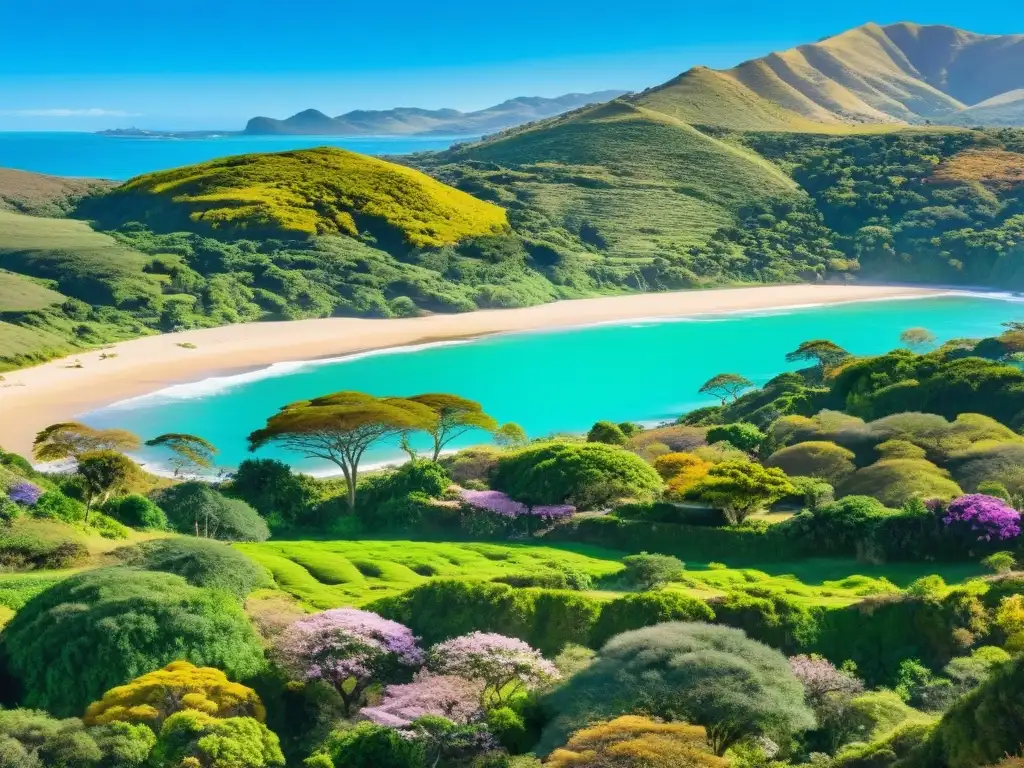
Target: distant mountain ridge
x=411, y=121
x=900, y=74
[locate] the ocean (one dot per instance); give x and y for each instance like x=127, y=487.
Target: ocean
x=646, y=371
x=119, y=158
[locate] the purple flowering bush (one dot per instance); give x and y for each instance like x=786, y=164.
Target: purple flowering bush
x=504, y=515
x=988, y=518
x=448, y=696
x=346, y=644
x=25, y=493
x=505, y=665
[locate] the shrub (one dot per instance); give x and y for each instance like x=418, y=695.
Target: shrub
x=815, y=458
x=192, y=738
x=812, y=493
x=606, y=432
x=100, y=629
x=368, y=745
x=201, y=562
x=382, y=498
x=195, y=508
x=24, y=493
x=648, y=571
x=1000, y=562
x=745, y=437
x=56, y=506
x=32, y=739
x=271, y=488
x=645, y=610
x=984, y=726
x=985, y=518
x=681, y=471
x=585, y=475
x=136, y=511
x=710, y=676
x=662, y=512
x=155, y=696
x=40, y=544
x=632, y=740
x=896, y=481
x=771, y=618
x=472, y=464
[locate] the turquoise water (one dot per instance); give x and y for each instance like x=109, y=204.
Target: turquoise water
x=554, y=381
x=106, y=157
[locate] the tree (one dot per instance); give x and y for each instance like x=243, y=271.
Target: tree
x=69, y=440
x=606, y=432
x=725, y=386
x=706, y=675
x=271, y=488
x=506, y=665
x=349, y=649
x=341, y=427
x=511, y=435
x=194, y=507
x=829, y=692
x=917, y=339
x=741, y=488
x=191, y=738
x=369, y=745
x=103, y=473
x=96, y=630
x=455, y=417
x=155, y=696
x=822, y=352
x=190, y=452
x=449, y=696
x=746, y=437
x=637, y=742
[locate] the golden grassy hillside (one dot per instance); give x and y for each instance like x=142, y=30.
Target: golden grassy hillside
x=870, y=76
x=309, y=192
x=991, y=167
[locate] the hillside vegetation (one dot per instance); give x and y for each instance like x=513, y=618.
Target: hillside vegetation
x=309, y=192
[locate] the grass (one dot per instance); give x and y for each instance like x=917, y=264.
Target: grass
x=309, y=192
x=41, y=195
x=617, y=182
x=327, y=574
x=22, y=294
x=991, y=167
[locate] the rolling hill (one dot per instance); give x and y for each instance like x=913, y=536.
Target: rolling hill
x=301, y=193
x=410, y=121
x=900, y=74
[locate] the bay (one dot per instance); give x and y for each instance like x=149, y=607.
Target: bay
x=647, y=371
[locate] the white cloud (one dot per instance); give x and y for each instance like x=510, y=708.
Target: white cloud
x=94, y=112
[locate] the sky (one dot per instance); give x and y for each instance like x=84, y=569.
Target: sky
x=212, y=64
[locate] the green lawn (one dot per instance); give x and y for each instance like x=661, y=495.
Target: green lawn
x=327, y=574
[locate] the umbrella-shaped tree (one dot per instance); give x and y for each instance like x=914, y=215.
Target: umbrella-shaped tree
x=341, y=427
x=455, y=417
x=190, y=451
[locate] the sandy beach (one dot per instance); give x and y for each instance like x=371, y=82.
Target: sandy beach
x=33, y=398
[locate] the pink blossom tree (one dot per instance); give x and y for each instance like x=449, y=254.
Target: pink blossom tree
x=349, y=649
x=448, y=696
x=505, y=665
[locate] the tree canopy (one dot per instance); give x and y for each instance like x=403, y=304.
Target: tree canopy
x=631, y=741
x=707, y=675
x=341, y=427
x=124, y=621
x=741, y=488
x=455, y=417
x=725, y=386
x=190, y=452
x=69, y=440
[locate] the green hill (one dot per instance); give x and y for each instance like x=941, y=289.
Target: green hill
x=302, y=193
x=617, y=184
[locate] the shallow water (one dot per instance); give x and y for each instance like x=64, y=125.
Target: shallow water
x=108, y=157
x=559, y=381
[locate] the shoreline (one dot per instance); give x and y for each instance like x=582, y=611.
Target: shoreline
x=33, y=398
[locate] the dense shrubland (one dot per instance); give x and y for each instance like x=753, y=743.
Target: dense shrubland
x=860, y=633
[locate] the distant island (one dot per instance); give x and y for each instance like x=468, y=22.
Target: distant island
x=401, y=121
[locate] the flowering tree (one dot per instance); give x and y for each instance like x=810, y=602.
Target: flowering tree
x=349, y=649
x=501, y=504
x=828, y=692
x=25, y=493
x=988, y=517
x=448, y=696
x=505, y=665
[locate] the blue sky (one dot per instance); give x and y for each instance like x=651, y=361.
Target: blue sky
x=74, y=65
